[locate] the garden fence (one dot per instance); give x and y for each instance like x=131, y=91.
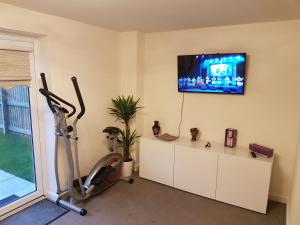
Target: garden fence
x=15, y=110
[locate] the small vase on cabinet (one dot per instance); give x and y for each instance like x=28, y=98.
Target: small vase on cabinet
x=156, y=128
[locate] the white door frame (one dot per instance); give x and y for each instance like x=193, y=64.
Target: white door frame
x=27, y=44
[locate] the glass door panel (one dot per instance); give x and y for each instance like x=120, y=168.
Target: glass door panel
x=17, y=164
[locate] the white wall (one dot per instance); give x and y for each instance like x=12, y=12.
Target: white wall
x=131, y=75
x=68, y=48
x=268, y=113
x=293, y=206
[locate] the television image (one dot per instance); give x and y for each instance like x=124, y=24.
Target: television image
x=212, y=73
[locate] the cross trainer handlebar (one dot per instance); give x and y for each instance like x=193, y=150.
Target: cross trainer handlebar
x=44, y=81
x=79, y=97
x=54, y=98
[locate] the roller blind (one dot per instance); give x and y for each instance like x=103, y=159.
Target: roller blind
x=14, y=68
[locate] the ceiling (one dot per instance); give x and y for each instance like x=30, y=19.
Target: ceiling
x=165, y=15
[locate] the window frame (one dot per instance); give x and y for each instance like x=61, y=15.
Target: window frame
x=30, y=45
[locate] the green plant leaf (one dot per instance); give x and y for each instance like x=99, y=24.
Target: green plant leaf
x=124, y=108
x=125, y=140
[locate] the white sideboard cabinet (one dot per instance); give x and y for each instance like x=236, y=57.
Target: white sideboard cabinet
x=229, y=175
x=243, y=182
x=195, y=171
x=157, y=161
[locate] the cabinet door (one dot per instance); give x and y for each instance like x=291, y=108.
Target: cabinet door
x=244, y=182
x=195, y=171
x=156, y=161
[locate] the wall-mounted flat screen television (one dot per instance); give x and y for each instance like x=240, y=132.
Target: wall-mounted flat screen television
x=212, y=73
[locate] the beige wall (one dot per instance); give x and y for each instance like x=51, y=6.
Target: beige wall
x=268, y=113
x=293, y=206
x=108, y=63
x=71, y=48
x=131, y=54
x=129, y=62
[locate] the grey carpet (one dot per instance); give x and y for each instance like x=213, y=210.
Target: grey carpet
x=150, y=203
x=41, y=213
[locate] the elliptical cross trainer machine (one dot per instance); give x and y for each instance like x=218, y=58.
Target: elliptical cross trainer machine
x=105, y=173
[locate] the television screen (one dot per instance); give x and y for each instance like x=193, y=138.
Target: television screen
x=212, y=73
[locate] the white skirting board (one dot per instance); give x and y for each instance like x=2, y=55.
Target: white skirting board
x=277, y=198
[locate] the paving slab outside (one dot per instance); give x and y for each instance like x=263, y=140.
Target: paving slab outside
x=12, y=185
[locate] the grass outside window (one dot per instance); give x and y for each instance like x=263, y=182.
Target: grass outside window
x=16, y=155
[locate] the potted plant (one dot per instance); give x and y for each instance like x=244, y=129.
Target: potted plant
x=124, y=109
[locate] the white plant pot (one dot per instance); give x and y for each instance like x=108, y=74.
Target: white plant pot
x=127, y=169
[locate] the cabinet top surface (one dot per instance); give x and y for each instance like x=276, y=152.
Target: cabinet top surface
x=215, y=148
